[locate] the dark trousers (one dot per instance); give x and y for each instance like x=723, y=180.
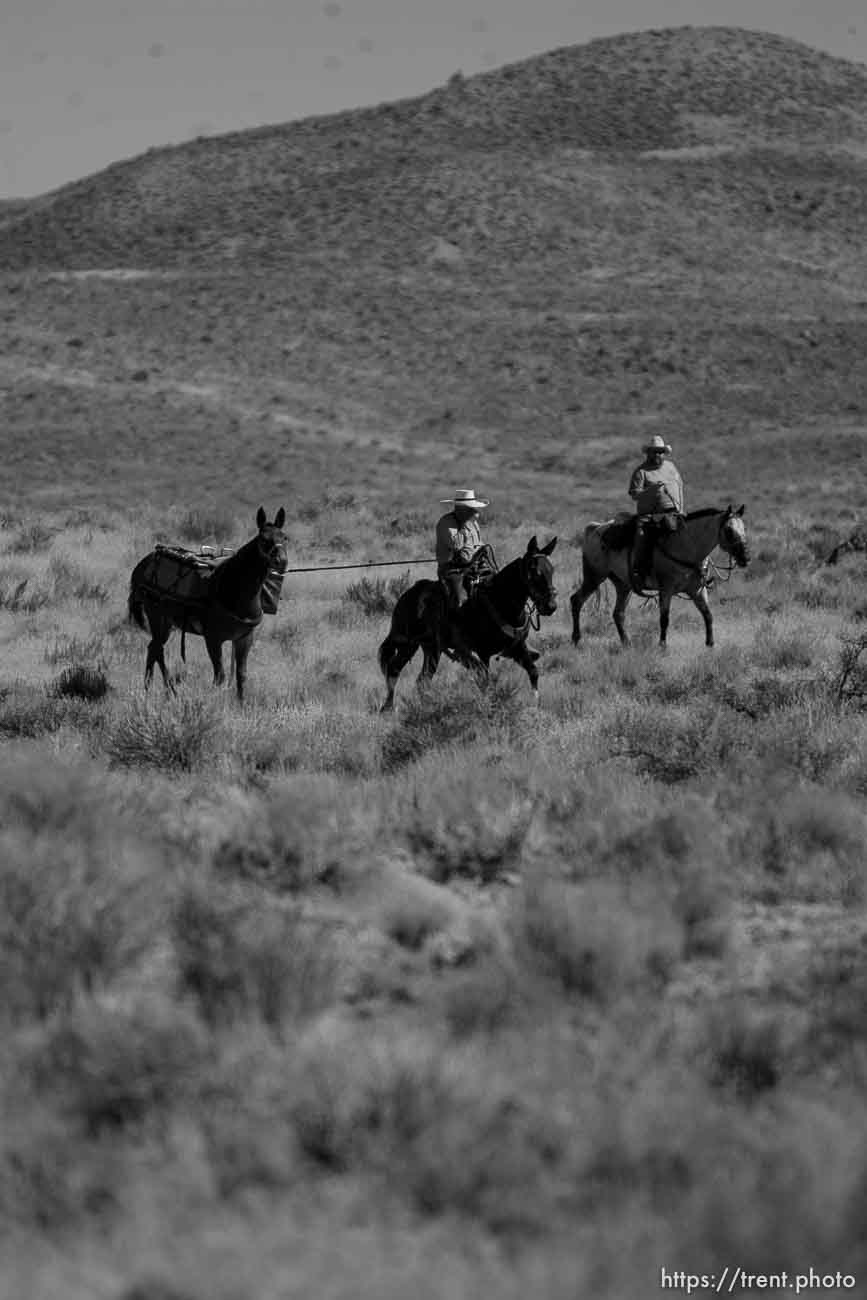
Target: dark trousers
x=642, y=555
x=647, y=531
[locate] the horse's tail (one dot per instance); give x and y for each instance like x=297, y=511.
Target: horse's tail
x=137, y=587
x=135, y=607
x=386, y=653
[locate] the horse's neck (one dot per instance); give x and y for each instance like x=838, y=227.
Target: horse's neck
x=508, y=590
x=696, y=538
x=240, y=578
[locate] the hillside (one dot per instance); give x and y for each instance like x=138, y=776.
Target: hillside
x=380, y=181
x=666, y=227
x=488, y=996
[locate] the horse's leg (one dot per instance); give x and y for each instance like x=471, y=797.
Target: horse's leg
x=161, y=660
x=161, y=630
x=624, y=591
x=430, y=662
x=393, y=658
x=152, y=656
x=215, y=654
x=664, y=611
x=702, y=604
x=524, y=656
x=240, y=651
x=591, y=581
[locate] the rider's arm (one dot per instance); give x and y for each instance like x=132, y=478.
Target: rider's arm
x=677, y=492
x=449, y=548
x=636, y=484
x=464, y=546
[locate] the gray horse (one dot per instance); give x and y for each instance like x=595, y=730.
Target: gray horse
x=679, y=565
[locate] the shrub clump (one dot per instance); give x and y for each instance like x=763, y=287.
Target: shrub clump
x=377, y=596
x=434, y=1124
x=238, y=954
x=28, y=712
x=175, y=735
x=110, y=1066
x=600, y=938
x=196, y=524
x=296, y=837
x=467, y=821
x=849, y=684
x=32, y=537
x=81, y=683
x=76, y=900
x=441, y=715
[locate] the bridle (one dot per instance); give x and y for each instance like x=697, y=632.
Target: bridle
x=533, y=614
x=275, y=548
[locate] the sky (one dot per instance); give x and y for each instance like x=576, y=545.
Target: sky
x=84, y=83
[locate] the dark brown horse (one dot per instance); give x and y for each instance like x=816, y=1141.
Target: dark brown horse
x=494, y=621
x=225, y=606
x=678, y=566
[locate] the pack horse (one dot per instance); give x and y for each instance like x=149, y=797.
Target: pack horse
x=215, y=598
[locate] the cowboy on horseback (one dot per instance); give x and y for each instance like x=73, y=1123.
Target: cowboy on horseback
x=657, y=490
x=458, y=542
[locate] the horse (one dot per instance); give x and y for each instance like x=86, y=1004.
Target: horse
x=679, y=565
x=226, y=605
x=494, y=620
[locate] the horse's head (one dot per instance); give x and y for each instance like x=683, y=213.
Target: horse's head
x=539, y=575
x=272, y=541
x=733, y=536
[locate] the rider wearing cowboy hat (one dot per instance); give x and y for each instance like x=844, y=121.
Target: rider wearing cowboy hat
x=458, y=538
x=657, y=490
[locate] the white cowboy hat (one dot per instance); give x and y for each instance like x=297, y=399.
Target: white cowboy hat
x=658, y=444
x=465, y=497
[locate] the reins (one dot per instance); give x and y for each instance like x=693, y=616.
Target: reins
x=512, y=632
x=721, y=575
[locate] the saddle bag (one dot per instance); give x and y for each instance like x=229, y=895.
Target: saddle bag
x=272, y=589
x=179, y=580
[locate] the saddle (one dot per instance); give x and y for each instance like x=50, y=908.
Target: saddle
x=478, y=573
x=639, y=536
x=176, y=576
x=180, y=580
x=619, y=535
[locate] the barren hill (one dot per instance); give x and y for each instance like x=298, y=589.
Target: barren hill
x=461, y=161
x=667, y=226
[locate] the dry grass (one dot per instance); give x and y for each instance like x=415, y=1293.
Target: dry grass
x=458, y=964
x=483, y=998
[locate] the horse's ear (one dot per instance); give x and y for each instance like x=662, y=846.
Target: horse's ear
x=546, y=550
x=261, y=518
x=532, y=545
x=729, y=510
x=280, y=518
x=741, y=511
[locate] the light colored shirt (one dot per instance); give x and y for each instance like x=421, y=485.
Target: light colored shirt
x=656, y=489
x=456, y=543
